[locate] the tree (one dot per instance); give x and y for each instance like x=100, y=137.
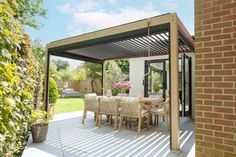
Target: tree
x=27, y=10
x=124, y=65
x=79, y=74
x=93, y=71
x=61, y=65
x=65, y=75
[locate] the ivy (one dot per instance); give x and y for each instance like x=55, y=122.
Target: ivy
x=18, y=79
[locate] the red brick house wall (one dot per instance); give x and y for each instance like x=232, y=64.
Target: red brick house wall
x=215, y=104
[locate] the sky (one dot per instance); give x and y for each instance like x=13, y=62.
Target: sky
x=68, y=18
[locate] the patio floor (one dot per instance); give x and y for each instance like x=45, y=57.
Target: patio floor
x=67, y=137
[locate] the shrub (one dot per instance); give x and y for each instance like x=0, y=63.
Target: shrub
x=53, y=91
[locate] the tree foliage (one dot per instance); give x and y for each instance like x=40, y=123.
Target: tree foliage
x=65, y=75
x=61, y=65
x=79, y=74
x=123, y=65
x=93, y=71
x=27, y=11
x=18, y=79
x=156, y=79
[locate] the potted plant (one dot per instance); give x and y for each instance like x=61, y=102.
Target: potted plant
x=39, y=126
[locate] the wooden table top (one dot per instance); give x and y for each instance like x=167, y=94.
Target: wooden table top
x=145, y=100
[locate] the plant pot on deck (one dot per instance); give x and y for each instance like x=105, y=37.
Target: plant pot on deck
x=39, y=133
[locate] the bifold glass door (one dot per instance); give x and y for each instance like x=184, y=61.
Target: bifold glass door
x=155, y=79
x=186, y=102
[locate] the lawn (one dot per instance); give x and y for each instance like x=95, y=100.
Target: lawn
x=68, y=105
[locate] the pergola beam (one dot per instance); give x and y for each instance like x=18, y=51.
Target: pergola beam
x=121, y=29
x=77, y=57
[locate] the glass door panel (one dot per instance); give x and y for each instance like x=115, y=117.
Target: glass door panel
x=187, y=85
x=155, y=79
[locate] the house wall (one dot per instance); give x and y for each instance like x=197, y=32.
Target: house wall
x=215, y=105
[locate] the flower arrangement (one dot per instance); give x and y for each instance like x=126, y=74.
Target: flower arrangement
x=123, y=86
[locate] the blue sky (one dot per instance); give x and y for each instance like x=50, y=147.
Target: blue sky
x=67, y=18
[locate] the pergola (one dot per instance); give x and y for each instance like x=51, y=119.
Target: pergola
x=159, y=35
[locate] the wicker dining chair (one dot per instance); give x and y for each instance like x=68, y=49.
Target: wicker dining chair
x=91, y=104
x=108, y=106
x=162, y=110
x=132, y=109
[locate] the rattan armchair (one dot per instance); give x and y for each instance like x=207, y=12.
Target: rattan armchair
x=108, y=106
x=91, y=104
x=162, y=110
x=132, y=109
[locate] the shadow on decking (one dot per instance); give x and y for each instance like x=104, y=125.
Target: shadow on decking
x=70, y=138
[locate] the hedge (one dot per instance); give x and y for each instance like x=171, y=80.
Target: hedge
x=18, y=79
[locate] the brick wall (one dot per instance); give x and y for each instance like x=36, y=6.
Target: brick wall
x=215, y=48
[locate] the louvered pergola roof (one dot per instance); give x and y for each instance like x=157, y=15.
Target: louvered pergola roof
x=125, y=41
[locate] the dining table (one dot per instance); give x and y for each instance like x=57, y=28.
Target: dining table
x=147, y=101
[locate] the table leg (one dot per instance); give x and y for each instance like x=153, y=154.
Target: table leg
x=108, y=118
x=148, y=116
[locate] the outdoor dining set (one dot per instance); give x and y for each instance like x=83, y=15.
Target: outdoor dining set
x=124, y=109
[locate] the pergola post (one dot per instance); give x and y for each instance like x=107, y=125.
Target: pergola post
x=46, y=80
x=174, y=90
x=183, y=84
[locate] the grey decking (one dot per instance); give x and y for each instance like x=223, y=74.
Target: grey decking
x=69, y=138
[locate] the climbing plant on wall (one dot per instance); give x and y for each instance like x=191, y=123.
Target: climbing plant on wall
x=18, y=79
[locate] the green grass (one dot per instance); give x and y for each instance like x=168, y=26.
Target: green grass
x=64, y=105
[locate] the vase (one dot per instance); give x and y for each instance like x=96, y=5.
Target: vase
x=122, y=92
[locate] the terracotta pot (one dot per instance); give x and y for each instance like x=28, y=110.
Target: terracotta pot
x=39, y=133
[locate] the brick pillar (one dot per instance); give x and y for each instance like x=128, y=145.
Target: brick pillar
x=215, y=48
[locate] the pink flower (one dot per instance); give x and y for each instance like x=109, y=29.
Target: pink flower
x=123, y=86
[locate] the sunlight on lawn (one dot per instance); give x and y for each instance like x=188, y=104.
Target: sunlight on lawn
x=64, y=105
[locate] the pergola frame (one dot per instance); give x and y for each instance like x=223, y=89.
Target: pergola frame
x=169, y=22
